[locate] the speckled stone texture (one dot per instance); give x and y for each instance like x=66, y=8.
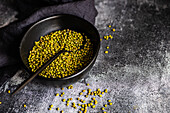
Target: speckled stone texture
x=136, y=71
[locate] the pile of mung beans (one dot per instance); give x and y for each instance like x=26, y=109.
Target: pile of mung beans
x=48, y=46
x=79, y=47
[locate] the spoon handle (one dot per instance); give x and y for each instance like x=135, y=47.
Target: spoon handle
x=37, y=72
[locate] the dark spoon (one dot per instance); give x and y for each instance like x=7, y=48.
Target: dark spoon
x=38, y=71
x=43, y=67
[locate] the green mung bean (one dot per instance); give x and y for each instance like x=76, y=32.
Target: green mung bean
x=66, y=63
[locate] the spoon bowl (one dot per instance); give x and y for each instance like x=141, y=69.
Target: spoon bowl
x=59, y=22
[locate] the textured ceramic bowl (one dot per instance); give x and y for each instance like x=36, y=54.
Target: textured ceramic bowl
x=55, y=23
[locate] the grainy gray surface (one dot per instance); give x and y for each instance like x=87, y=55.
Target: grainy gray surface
x=136, y=71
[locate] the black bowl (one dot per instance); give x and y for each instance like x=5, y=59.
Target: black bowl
x=55, y=23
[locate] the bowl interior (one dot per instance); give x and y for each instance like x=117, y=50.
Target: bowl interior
x=55, y=23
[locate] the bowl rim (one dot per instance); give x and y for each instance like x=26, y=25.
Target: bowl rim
x=58, y=16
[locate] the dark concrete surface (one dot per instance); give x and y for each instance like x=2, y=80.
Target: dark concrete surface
x=136, y=71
